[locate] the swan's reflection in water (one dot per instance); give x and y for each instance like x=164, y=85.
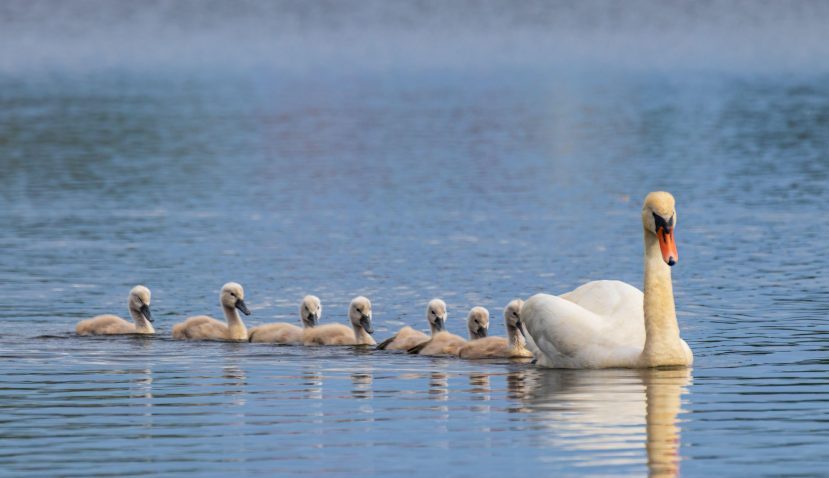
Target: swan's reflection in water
x=608, y=411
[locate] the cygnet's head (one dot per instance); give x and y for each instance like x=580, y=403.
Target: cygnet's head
x=478, y=323
x=512, y=315
x=233, y=296
x=310, y=310
x=436, y=315
x=359, y=312
x=139, y=301
x=659, y=218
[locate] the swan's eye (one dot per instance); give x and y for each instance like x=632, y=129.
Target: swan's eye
x=660, y=222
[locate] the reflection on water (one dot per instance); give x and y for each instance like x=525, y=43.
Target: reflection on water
x=611, y=410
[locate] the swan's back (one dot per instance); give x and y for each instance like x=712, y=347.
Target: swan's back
x=200, y=327
x=279, y=333
x=609, y=298
x=600, y=324
x=104, y=325
x=329, y=334
x=442, y=343
x=405, y=339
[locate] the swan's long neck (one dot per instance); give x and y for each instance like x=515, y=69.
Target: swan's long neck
x=142, y=325
x=432, y=327
x=362, y=337
x=662, y=343
x=236, y=328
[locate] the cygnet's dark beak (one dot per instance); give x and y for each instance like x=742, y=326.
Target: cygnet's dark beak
x=145, y=311
x=365, y=323
x=481, y=332
x=313, y=319
x=439, y=324
x=520, y=326
x=240, y=304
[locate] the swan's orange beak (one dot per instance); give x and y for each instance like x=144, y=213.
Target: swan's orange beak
x=667, y=244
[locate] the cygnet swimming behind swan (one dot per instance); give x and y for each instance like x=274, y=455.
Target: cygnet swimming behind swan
x=310, y=310
x=138, y=304
x=513, y=346
x=202, y=327
x=445, y=343
x=408, y=337
x=359, y=314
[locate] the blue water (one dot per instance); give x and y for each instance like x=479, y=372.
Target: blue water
x=422, y=162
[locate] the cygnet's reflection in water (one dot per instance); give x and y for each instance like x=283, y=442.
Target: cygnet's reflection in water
x=362, y=381
x=603, y=410
x=141, y=386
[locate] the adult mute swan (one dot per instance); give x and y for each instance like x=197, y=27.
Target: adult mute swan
x=310, y=310
x=359, y=314
x=499, y=347
x=445, y=343
x=606, y=324
x=408, y=337
x=138, y=304
x=202, y=327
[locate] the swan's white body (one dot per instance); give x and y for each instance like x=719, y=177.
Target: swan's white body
x=606, y=324
x=594, y=326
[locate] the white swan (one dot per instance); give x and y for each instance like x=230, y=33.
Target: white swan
x=359, y=314
x=445, y=343
x=138, y=305
x=606, y=324
x=500, y=347
x=310, y=310
x=202, y=327
x=408, y=337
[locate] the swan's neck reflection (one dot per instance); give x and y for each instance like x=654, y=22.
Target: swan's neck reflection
x=599, y=410
x=663, y=389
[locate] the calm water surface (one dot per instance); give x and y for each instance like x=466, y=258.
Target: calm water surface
x=477, y=186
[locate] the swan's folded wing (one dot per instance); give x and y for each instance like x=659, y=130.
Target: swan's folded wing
x=619, y=307
x=559, y=327
x=608, y=298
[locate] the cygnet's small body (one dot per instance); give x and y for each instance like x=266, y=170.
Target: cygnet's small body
x=139, y=308
x=359, y=314
x=408, y=337
x=445, y=343
x=310, y=310
x=202, y=327
x=513, y=346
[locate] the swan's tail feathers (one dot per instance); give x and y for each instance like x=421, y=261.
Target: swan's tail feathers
x=417, y=348
x=382, y=345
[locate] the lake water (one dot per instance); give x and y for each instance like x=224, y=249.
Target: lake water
x=410, y=162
